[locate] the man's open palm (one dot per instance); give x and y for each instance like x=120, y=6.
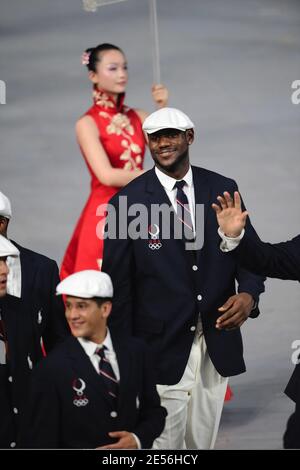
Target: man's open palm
x=229, y=213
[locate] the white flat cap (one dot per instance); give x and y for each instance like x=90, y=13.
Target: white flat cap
x=7, y=248
x=86, y=284
x=167, y=118
x=5, y=206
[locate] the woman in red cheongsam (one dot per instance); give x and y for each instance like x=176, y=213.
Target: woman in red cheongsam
x=112, y=143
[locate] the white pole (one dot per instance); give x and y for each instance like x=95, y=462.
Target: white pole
x=92, y=5
x=155, y=41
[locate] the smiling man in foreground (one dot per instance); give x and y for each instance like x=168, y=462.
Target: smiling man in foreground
x=94, y=390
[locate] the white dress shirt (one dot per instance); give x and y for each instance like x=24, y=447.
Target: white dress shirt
x=14, y=278
x=229, y=244
x=168, y=184
x=90, y=349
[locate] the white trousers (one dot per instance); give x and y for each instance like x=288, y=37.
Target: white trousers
x=194, y=405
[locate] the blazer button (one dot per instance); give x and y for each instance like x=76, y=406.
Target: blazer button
x=10, y=379
x=199, y=297
x=193, y=328
x=195, y=268
x=13, y=444
x=15, y=411
x=113, y=414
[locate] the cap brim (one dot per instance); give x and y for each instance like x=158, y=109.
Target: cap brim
x=157, y=129
x=4, y=254
x=82, y=295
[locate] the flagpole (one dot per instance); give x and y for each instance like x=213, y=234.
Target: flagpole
x=92, y=5
x=155, y=41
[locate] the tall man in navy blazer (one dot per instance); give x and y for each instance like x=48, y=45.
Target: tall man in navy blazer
x=172, y=296
x=279, y=260
x=95, y=390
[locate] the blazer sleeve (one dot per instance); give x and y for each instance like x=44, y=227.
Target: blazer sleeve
x=279, y=260
x=118, y=262
x=152, y=415
x=252, y=283
x=57, y=327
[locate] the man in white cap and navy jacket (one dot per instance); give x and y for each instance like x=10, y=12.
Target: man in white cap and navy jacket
x=171, y=291
x=33, y=279
x=95, y=390
x=7, y=425
x=34, y=317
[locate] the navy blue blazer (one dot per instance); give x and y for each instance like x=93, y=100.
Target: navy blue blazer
x=54, y=419
x=39, y=313
x=159, y=294
x=279, y=260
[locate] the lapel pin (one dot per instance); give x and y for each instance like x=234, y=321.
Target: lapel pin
x=79, y=386
x=40, y=318
x=29, y=362
x=154, y=243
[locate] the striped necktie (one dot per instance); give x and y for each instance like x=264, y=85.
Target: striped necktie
x=107, y=374
x=184, y=211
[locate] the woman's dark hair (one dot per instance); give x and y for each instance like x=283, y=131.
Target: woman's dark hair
x=95, y=51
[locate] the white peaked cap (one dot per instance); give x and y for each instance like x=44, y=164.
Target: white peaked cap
x=167, y=118
x=7, y=248
x=5, y=206
x=86, y=284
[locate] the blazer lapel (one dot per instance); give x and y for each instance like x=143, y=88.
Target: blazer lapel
x=202, y=196
x=125, y=366
x=27, y=275
x=155, y=190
